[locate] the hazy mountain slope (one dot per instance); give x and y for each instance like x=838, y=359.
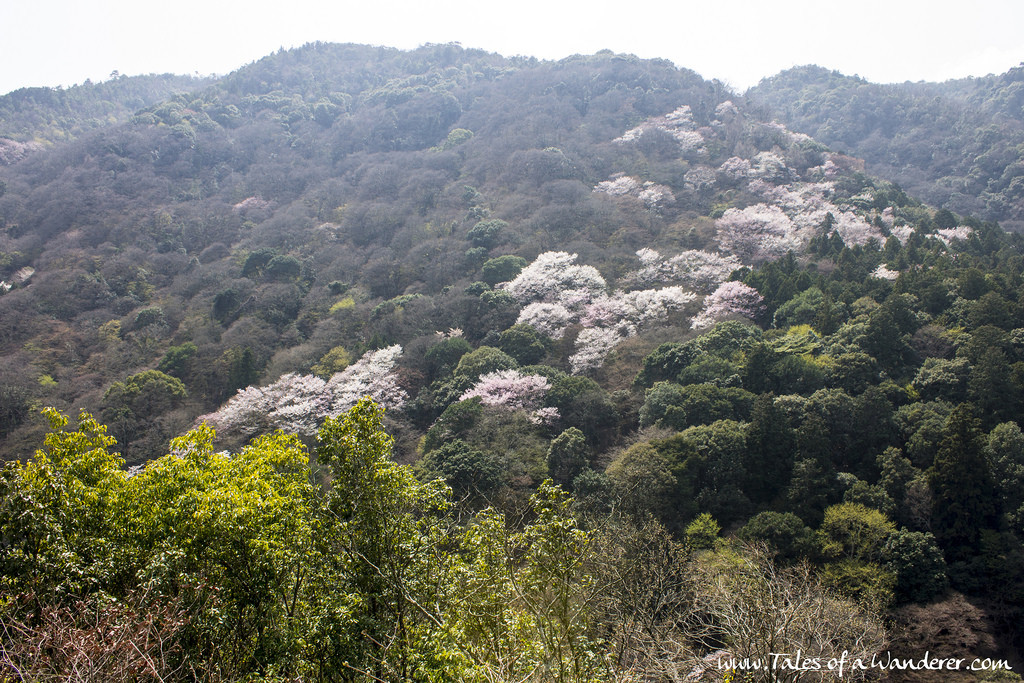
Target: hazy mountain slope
x=959, y=144
x=347, y=160
x=50, y=115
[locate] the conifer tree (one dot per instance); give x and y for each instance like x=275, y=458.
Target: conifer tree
x=962, y=486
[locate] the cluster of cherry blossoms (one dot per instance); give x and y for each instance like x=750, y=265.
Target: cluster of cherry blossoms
x=699, y=270
x=299, y=403
x=730, y=299
x=592, y=347
x=554, y=277
x=512, y=390
x=548, y=319
x=509, y=389
x=20, y=277
x=883, y=273
x=960, y=232
x=627, y=312
x=558, y=293
x=609, y=320
x=253, y=207
x=769, y=166
x=735, y=169
x=757, y=233
x=678, y=123
x=807, y=205
x=902, y=232
x=650, y=194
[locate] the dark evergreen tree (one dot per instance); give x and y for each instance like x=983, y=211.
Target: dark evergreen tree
x=962, y=486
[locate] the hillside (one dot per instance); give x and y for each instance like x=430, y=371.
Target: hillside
x=38, y=117
x=957, y=145
x=709, y=327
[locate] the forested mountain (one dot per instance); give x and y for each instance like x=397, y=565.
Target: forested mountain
x=50, y=115
x=778, y=389
x=957, y=145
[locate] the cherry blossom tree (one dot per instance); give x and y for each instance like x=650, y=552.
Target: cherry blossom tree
x=299, y=403
x=548, y=319
x=295, y=403
x=883, y=273
x=757, y=233
x=855, y=230
x=902, y=232
x=769, y=166
x=512, y=390
x=592, y=346
x=654, y=196
x=961, y=233
x=553, y=277
x=608, y=320
x=726, y=109
x=627, y=312
x=731, y=298
x=699, y=270
x=678, y=123
x=372, y=375
x=735, y=169
x=509, y=389
x=650, y=194
x=619, y=185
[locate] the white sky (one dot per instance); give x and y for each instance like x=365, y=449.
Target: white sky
x=64, y=42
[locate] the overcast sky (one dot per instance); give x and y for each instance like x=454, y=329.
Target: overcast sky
x=64, y=42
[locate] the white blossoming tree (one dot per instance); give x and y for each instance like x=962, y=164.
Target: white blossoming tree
x=299, y=403
x=554, y=277
x=730, y=299
x=592, y=346
x=699, y=270
x=548, y=319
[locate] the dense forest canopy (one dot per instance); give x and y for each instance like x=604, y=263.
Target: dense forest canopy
x=649, y=360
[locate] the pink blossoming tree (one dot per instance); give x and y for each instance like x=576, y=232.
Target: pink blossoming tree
x=509, y=389
x=757, y=233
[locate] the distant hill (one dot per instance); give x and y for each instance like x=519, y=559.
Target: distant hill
x=49, y=115
x=957, y=145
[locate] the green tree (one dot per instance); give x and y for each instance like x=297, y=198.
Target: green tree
x=853, y=537
x=487, y=233
x=916, y=560
x=962, y=486
x=502, y=269
x=334, y=361
x=770, y=446
x=1004, y=453
x=784, y=532
x=472, y=474
x=702, y=532
x=523, y=343
x=144, y=394
x=568, y=456
x=177, y=360
x=384, y=531
x=642, y=480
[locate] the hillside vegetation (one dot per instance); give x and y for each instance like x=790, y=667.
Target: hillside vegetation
x=650, y=361
x=958, y=145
